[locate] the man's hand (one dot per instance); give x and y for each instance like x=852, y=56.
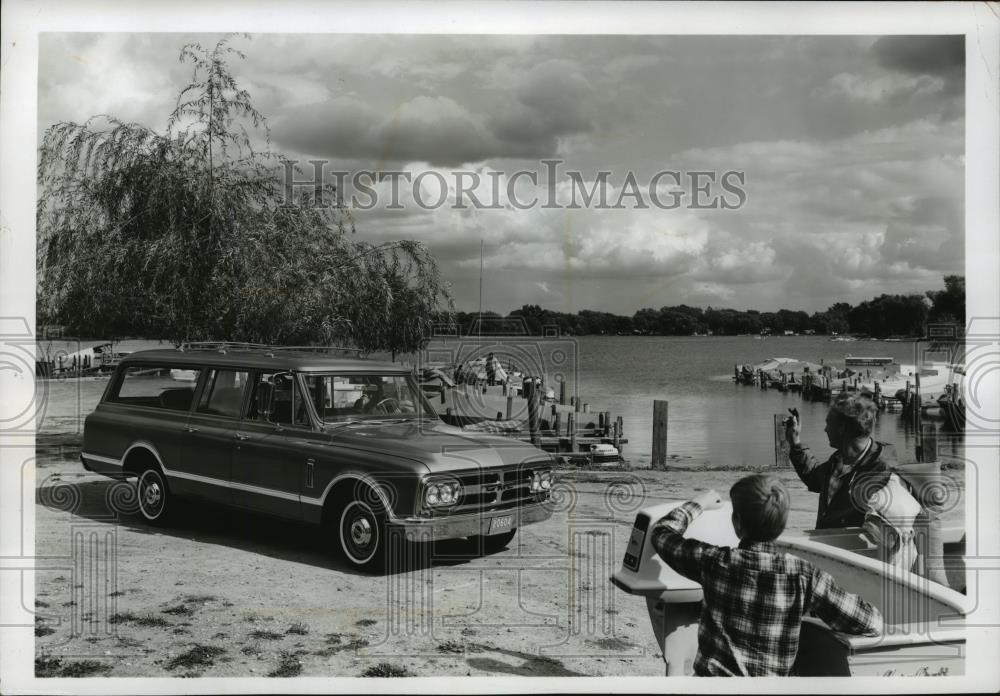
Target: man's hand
x=709, y=500
x=793, y=428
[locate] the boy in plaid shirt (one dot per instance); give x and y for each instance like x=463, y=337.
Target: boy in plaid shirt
x=755, y=596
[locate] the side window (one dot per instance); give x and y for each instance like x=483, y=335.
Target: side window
x=223, y=393
x=276, y=399
x=156, y=386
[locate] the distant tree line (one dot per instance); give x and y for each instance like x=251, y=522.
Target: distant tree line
x=879, y=317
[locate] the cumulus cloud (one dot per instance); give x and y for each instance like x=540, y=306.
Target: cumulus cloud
x=890, y=88
x=921, y=55
x=852, y=151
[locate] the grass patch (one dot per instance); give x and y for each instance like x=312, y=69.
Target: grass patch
x=146, y=620
x=199, y=598
x=251, y=649
x=451, y=646
x=47, y=666
x=198, y=656
x=365, y=622
x=266, y=635
x=288, y=666
x=386, y=669
x=40, y=603
x=179, y=610
x=298, y=628
x=42, y=631
x=335, y=644
x=84, y=668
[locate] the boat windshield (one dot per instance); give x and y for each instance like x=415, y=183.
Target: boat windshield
x=369, y=396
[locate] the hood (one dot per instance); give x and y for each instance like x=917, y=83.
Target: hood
x=440, y=447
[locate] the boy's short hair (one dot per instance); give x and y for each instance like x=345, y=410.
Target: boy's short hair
x=761, y=502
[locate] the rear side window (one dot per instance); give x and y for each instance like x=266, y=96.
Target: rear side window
x=156, y=386
x=223, y=393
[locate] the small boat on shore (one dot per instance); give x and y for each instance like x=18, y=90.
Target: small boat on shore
x=924, y=622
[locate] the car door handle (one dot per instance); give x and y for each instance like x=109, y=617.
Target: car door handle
x=190, y=429
x=242, y=436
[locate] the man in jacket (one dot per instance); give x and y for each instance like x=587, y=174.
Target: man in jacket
x=859, y=469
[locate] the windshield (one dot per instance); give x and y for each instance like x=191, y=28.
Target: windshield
x=339, y=398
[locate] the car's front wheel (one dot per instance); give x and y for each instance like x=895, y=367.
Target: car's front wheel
x=153, y=496
x=363, y=535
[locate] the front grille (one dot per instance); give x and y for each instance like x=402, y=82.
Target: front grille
x=487, y=490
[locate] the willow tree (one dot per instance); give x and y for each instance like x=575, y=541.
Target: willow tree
x=185, y=234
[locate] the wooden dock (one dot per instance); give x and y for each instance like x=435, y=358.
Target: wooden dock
x=561, y=425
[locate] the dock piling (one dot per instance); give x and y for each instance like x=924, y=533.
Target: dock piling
x=660, y=419
x=531, y=394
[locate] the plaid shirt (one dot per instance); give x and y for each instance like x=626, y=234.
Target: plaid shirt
x=755, y=598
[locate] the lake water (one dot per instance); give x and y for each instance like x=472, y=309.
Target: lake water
x=710, y=417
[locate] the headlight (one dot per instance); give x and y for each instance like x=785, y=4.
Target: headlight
x=541, y=481
x=442, y=493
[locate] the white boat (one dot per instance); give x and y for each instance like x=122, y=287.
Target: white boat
x=924, y=630
x=604, y=454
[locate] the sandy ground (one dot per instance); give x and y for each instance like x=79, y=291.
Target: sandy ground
x=227, y=593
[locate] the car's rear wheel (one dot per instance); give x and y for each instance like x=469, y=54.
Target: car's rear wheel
x=493, y=542
x=153, y=496
x=363, y=535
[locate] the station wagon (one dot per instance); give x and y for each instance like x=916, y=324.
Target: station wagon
x=349, y=444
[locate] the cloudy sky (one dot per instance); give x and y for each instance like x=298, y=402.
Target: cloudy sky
x=851, y=147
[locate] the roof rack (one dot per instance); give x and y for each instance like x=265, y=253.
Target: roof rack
x=226, y=346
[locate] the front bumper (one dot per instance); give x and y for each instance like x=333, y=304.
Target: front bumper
x=472, y=524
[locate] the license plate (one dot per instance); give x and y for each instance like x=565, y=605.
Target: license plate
x=501, y=524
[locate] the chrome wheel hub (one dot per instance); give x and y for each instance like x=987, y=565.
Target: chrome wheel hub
x=361, y=532
x=153, y=494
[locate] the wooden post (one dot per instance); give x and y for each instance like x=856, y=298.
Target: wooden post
x=600, y=420
x=607, y=423
x=917, y=420
x=586, y=408
x=929, y=443
x=556, y=426
x=510, y=405
x=562, y=392
x=781, y=446
x=617, y=439
x=621, y=435
x=532, y=397
x=572, y=431
x=660, y=419
x=576, y=404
